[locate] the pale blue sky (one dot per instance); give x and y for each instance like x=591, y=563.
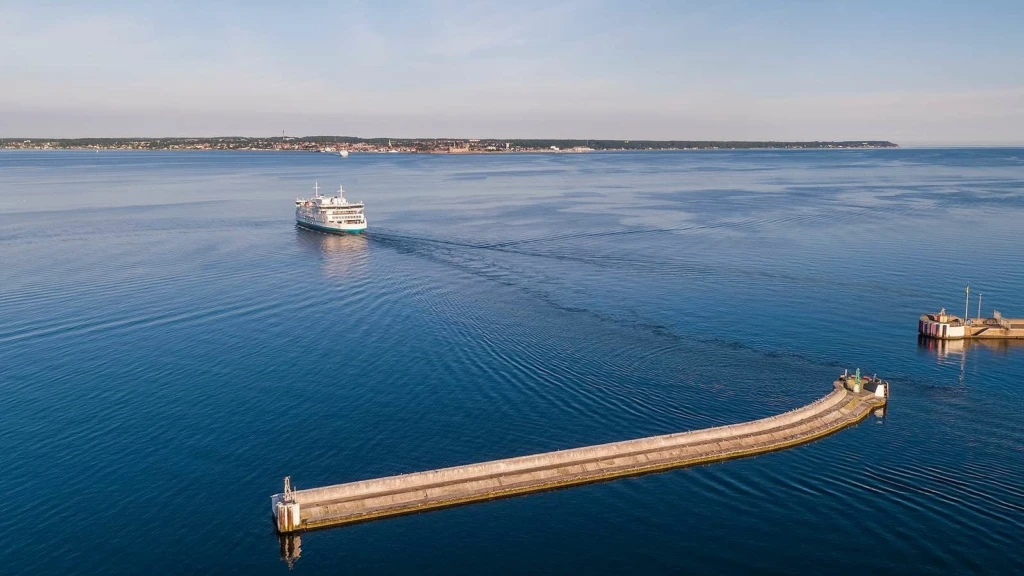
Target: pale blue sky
x=910, y=71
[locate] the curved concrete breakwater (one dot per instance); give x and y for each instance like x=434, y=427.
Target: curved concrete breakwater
x=851, y=400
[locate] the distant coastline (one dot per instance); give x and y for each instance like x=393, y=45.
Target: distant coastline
x=334, y=144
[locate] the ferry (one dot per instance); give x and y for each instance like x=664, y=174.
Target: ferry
x=331, y=214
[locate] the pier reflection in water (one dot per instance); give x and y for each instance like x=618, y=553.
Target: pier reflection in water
x=956, y=353
x=291, y=548
x=945, y=349
x=941, y=348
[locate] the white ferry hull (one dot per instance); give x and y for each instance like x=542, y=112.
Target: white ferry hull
x=332, y=228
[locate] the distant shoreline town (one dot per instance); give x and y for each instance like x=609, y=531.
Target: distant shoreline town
x=413, y=145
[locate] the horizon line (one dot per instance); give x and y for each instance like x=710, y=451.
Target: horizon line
x=532, y=138
x=905, y=144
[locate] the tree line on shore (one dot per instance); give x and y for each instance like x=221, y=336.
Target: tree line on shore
x=426, y=144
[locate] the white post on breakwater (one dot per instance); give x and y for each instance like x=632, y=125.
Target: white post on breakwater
x=967, y=304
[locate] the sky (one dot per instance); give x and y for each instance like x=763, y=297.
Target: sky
x=914, y=72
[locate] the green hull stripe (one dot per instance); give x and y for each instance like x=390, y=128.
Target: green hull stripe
x=328, y=230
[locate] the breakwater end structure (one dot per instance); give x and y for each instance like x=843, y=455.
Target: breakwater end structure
x=852, y=399
x=945, y=326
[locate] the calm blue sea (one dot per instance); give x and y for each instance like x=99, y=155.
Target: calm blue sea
x=171, y=346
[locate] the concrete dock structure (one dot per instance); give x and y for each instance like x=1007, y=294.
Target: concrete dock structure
x=851, y=400
x=945, y=326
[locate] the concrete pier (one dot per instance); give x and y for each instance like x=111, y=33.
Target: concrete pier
x=945, y=326
x=851, y=400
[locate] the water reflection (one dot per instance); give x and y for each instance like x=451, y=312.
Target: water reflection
x=954, y=353
x=946, y=349
x=341, y=254
x=941, y=348
x=291, y=548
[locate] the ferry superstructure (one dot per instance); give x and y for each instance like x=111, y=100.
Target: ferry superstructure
x=331, y=214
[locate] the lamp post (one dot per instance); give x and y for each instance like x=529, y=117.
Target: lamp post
x=967, y=304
